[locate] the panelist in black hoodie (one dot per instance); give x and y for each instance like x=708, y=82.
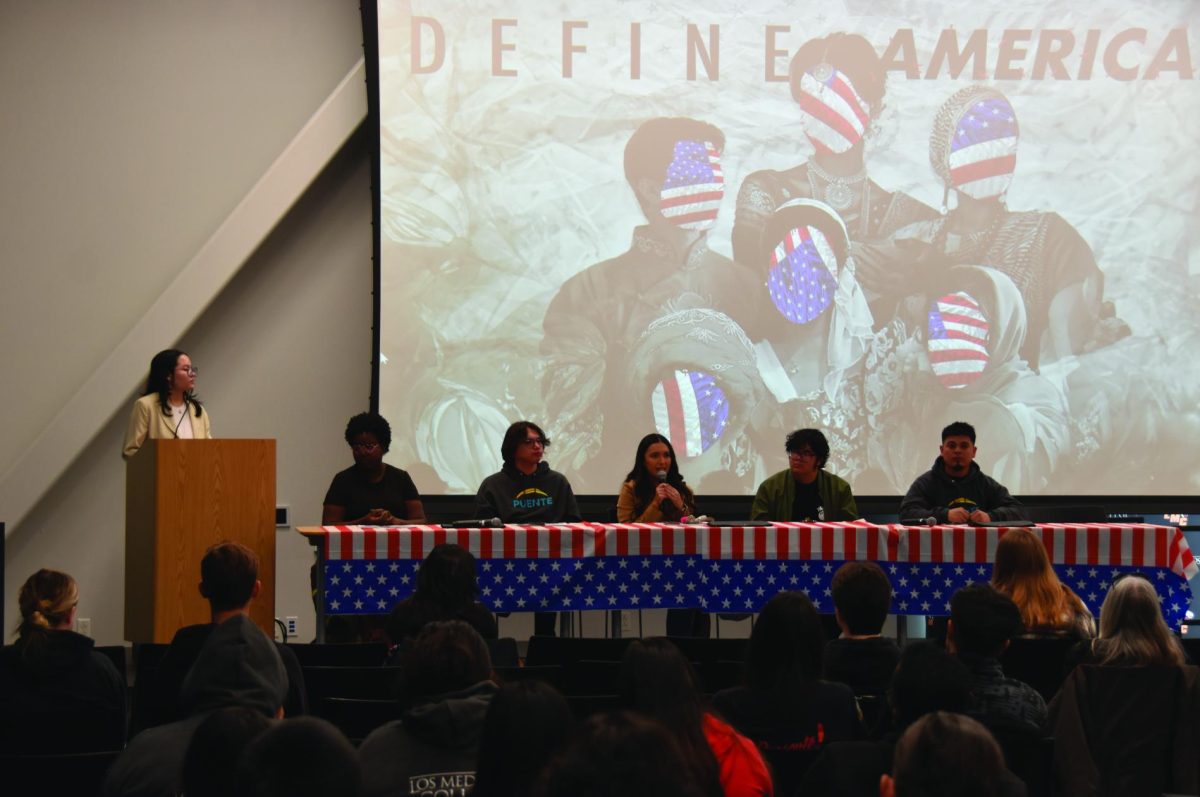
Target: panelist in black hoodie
x=527, y=491
x=955, y=490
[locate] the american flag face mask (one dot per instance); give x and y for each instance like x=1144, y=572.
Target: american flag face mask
x=983, y=152
x=958, y=336
x=803, y=276
x=834, y=117
x=690, y=410
x=694, y=185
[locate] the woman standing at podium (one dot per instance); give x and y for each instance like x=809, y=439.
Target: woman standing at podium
x=167, y=409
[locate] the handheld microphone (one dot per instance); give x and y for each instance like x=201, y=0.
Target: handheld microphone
x=929, y=521
x=664, y=505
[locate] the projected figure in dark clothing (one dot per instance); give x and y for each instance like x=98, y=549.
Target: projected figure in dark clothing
x=973, y=150
x=838, y=82
x=673, y=166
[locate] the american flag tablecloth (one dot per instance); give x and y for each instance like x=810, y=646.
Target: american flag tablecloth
x=650, y=565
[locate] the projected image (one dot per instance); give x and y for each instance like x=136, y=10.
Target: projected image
x=725, y=224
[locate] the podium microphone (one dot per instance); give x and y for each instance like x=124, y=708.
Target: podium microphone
x=664, y=505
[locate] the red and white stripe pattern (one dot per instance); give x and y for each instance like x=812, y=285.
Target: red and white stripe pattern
x=1130, y=545
x=835, y=117
x=958, y=336
x=694, y=185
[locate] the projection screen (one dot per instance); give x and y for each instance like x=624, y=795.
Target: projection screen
x=872, y=219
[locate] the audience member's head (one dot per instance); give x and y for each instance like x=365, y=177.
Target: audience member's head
x=302, y=757
x=209, y=768
x=527, y=723
x=619, y=754
x=982, y=621
x=447, y=578
x=229, y=576
x=945, y=755
x=928, y=679
x=1132, y=630
x=445, y=657
x=47, y=600
x=862, y=596
x=785, y=645
x=237, y=666
x=659, y=682
x=1022, y=571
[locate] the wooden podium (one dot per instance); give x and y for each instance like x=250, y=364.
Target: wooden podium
x=181, y=496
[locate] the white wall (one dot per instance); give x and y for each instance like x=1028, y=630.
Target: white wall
x=131, y=131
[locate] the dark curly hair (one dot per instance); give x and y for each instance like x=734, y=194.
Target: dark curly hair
x=810, y=438
x=371, y=423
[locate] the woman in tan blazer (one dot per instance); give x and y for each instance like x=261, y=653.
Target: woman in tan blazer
x=167, y=408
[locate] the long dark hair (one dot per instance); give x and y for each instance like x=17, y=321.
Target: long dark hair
x=659, y=682
x=645, y=482
x=162, y=366
x=785, y=645
x=527, y=723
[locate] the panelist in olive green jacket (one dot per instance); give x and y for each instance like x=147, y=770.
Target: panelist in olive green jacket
x=805, y=492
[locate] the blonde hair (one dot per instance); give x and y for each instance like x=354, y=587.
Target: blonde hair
x=1022, y=571
x=1132, y=630
x=46, y=600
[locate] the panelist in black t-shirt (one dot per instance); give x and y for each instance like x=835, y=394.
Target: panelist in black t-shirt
x=370, y=492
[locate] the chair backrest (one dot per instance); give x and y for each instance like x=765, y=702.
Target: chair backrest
x=73, y=729
x=61, y=773
x=564, y=650
x=550, y=673
x=1076, y=513
x=365, y=683
x=1028, y=753
x=1039, y=662
x=504, y=652
x=358, y=655
x=357, y=718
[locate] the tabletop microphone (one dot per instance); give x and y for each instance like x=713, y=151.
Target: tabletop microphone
x=664, y=505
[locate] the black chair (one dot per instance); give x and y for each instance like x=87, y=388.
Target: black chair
x=1039, y=662
x=364, y=683
x=559, y=650
x=115, y=654
x=63, y=773
x=718, y=675
x=550, y=673
x=357, y=718
x=68, y=729
x=504, y=652
x=1028, y=753
x=583, y=706
x=359, y=655
x=1079, y=513
x=588, y=677
x=1192, y=648
x=145, y=710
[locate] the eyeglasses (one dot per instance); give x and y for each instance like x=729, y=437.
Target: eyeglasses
x=189, y=369
x=366, y=448
x=534, y=441
x=807, y=453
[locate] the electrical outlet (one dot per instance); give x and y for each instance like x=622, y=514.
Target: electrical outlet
x=290, y=622
x=626, y=623
x=85, y=625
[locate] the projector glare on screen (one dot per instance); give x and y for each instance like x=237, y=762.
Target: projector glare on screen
x=723, y=222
